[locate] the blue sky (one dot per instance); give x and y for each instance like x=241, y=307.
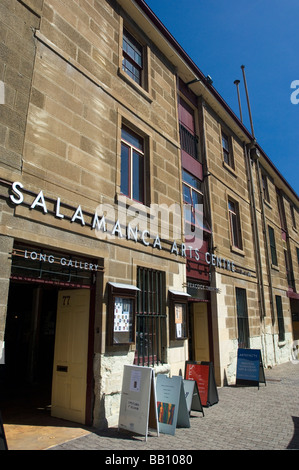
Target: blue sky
x=263, y=35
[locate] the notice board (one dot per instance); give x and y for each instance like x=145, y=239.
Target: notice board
x=203, y=374
x=138, y=411
x=250, y=370
x=171, y=404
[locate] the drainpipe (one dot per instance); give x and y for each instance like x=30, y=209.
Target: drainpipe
x=255, y=155
x=256, y=245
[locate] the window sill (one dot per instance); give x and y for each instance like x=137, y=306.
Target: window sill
x=135, y=85
x=267, y=204
x=230, y=169
x=273, y=266
x=236, y=250
x=281, y=343
x=142, y=209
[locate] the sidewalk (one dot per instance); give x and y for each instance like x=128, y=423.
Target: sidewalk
x=246, y=418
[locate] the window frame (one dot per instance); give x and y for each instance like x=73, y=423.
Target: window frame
x=235, y=224
x=135, y=45
x=192, y=189
x=265, y=187
x=272, y=244
x=133, y=150
x=150, y=317
x=280, y=318
x=227, y=154
x=242, y=318
x=145, y=88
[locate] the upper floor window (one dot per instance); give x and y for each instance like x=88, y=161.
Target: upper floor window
x=293, y=215
x=281, y=329
x=235, y=224
x=132, y=165
x=272, y=245
x=227, y=150
x=192, y=198
x=188, y=136
x=132, y=62
x=265, y=187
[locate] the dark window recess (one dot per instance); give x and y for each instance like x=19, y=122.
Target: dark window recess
x=150, y=318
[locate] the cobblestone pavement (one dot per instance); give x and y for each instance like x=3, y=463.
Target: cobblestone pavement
x=245, y=418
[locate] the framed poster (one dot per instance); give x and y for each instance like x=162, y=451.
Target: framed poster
x=121, y=314
x=178, y=315
x=123, y=320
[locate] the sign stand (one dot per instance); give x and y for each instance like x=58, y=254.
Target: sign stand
x=171, y=404
x=3, y=443
x=250, y=369
x=192, y=396
x=138, y=410
x=203, y=374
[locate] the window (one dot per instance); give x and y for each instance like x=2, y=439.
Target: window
x=272, y=245
x=242, y=317
x=265, y=187
x=132, y=62
x=293, y=215
x=188, y=136
x=151, y=317
x=289, y=271
x=281, y=332
x=132, y=165
x=297, y=250
x=192, y=198
x=227, y=150
x=235, y=225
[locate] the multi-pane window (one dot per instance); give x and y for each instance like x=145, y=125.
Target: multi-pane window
x=193, y=199
x=132, y=62
x=281, y=331
x=132, y=165
x=289, y=271
x=242, y=317
x=188, y=138
x=265, y=187
x=235, y=224
x=272, y=245
x=151, y=317
x=227, y=150
x=293, y=215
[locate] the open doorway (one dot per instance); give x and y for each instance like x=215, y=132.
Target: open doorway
x=26, y=377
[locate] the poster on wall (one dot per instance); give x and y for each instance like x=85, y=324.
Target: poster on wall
x=138, y=411
x=123, y=320
x=203, y=374
x=171, y=404
x=250, y=370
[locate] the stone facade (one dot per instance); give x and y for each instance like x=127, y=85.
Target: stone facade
x=67, y=99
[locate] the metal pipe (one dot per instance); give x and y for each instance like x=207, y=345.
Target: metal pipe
x=248, y=102
x=236, y=82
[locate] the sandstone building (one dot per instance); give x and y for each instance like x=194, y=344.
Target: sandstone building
x=141, y=223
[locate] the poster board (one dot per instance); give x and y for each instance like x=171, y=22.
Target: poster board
x=203, y=374
x=192, y=396
x=250, y=370
x=3, y=443
x=138, y=411
x=171, y=404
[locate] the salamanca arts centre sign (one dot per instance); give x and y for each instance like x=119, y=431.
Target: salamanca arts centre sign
x=105, y=215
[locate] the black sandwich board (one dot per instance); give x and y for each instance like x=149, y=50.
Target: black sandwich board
x=250, y=370
x=3, y=443
x=203, y=374
x=192, y=396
